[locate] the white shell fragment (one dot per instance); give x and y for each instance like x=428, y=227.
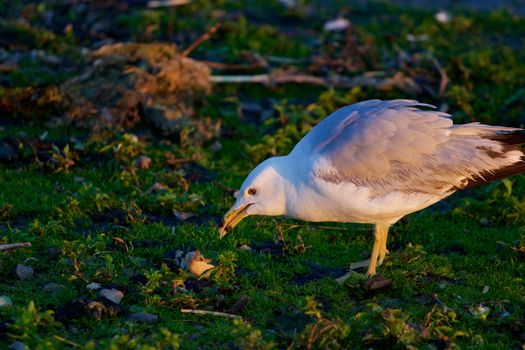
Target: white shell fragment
x=198, y=265
x=194, y=262
x=336, y=25
x=93, y=286
x=443, y=16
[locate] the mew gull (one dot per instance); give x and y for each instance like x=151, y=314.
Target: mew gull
x=375, y=162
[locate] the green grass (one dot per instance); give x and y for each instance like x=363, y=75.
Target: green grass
x=457, y=269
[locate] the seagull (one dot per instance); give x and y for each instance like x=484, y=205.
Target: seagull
x=374, y=162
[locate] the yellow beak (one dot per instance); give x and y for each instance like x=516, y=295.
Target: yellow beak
x=231, y=219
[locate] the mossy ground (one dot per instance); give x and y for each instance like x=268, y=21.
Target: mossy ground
x=457, y=269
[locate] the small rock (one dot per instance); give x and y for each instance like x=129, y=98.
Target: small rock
x=112, y=294
x=143, y=162
x=143, y=317
x=485, y=290
x=5, y=301
x=17, y=345
x=24, y=272
x=93, y=286
x=245, y=247
x=52, y=288
x=415, y=38
x=182, y=216
x=336, y=25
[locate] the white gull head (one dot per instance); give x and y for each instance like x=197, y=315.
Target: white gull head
x=262, y=193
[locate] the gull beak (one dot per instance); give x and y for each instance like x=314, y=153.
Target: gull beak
x=232, y=218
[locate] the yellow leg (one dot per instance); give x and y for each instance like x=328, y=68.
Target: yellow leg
x=379, y=249
x=382, y=248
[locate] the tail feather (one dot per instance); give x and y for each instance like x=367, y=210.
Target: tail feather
x=510, y=138
x=512, y=141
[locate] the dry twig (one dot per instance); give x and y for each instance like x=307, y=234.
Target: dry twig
x=202, y=39
x=206, y=312
x=12, y=246
x=178, y=161
x=444, y=77
x=375, y=80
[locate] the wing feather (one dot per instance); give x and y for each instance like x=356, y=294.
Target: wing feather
x=395, y=146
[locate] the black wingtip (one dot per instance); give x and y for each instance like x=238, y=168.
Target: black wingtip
x=501, y=173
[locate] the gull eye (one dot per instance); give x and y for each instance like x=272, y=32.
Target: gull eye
x=252, y=191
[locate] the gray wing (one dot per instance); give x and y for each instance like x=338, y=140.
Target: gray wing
x=395, y=146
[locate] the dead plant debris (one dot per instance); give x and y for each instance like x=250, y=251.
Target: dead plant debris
x=127, y=83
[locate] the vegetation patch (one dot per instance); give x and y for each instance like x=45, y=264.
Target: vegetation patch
x=126, y=130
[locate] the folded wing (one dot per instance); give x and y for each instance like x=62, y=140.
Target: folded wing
x=396, y=146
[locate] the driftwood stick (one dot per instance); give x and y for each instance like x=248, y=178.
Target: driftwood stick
x=12, y=246
x=202, y=39
x=206, y=312
x=269, y=79
x=153, y=4
x=177, y=161
x=376, y=80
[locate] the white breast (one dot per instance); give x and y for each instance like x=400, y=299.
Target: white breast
x=346, y=202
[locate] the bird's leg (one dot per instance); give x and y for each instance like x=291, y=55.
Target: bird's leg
x=375, y=252
x=382, y=248
x=379, y=248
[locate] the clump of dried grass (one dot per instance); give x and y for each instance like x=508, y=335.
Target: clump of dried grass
x=128, y=83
